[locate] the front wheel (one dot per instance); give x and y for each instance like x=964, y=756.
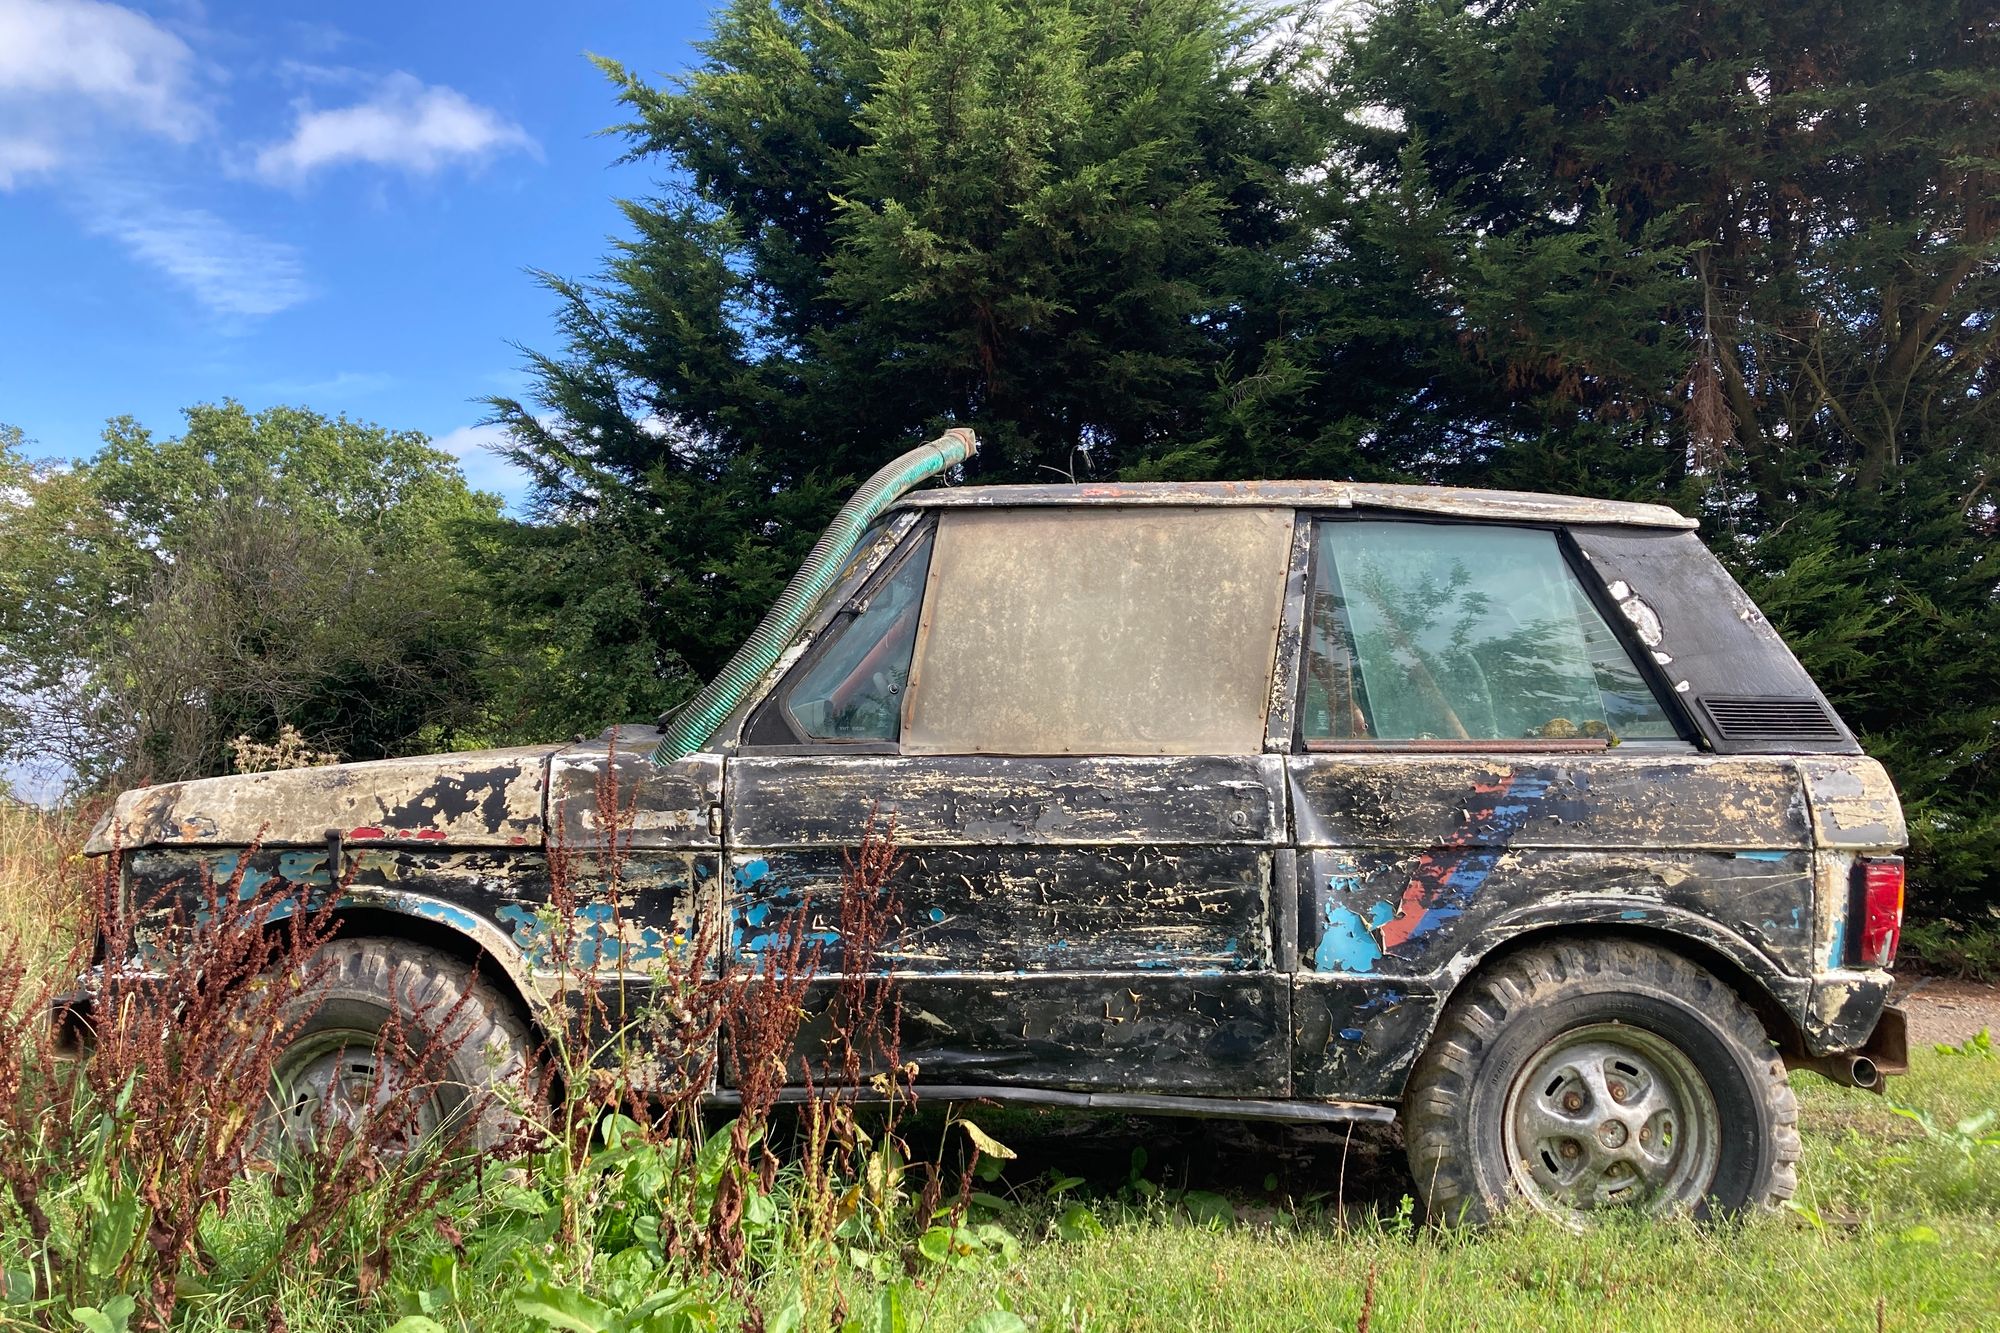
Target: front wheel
x=1586, y=1075
x=459, y=1035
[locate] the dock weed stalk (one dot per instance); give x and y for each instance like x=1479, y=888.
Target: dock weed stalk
x=117, y=1164
x=632, y=1177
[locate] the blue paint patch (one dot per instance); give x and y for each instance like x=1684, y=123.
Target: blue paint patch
x=750, y=872
x=456, y=917
x=775, y=940
x=1230, y=947
x=1385, y=999
x=937, y=914
x=1631, y=914
x=1798, y=914
x=531, y=933
x=1351, y=1034
x=224, y=869
x=1836, y=954
x=757, y=915
x=1345, y=944
x=1762, y=856
x=304, y=868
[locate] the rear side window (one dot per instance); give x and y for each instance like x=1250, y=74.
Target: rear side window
x=1099, y=631
x=1443, y=632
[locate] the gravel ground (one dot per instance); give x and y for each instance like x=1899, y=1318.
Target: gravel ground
x=1943, y=1010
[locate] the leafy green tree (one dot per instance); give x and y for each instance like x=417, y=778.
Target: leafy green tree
x=256, y=571
x=1743, y=256
x=1059, y=221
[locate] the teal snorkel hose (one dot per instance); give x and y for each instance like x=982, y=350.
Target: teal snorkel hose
x=691, y=727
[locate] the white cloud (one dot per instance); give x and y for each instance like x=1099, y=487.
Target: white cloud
x=24, y=156
x=67, y=64
x=231, y=272
x=485, y=470
x=407, y=125
x=341, y=384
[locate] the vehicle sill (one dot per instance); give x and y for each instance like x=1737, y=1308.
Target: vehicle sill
x=1139, y=1103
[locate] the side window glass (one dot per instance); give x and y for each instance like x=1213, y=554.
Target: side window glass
x=852, y=689
x=1445, y=632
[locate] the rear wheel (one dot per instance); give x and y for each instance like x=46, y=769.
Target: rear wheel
x=1587, y=1075
x=463, y=1050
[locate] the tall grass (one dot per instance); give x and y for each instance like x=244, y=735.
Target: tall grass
x=142, y=1188
x=45, y=882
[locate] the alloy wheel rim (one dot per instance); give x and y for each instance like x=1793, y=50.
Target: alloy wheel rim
x=336, y=1079
x=1611, y=1116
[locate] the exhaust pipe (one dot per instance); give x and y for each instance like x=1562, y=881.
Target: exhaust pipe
x=1849, y=1071
x=690, y=728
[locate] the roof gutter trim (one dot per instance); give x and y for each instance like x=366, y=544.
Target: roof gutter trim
x=1446, y=501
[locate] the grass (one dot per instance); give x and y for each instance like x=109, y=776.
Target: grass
x=1887, y=1217
x=1146, y=1224
x=42, y=880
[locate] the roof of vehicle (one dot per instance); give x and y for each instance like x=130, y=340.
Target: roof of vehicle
x=1450, y=501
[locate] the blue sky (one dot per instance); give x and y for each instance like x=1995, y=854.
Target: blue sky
x=331, y=205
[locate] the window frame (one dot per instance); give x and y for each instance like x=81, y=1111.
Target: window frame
x=772, y=707
x=1686, y=737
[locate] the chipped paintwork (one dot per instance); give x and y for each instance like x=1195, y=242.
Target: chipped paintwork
x=1853, y=804
x=1843, y=1010
x=1422, y=864
x=1449, y=501
x=1140, y=882
x=1197, y=1035
x=490, y=798
x=671, y=806
x=803, y=801
x=1597, y=800
x=497, y=900
x=1012, y=910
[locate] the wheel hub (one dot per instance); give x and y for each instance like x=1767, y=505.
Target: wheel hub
x=1611, y=1115
x=338, y=1080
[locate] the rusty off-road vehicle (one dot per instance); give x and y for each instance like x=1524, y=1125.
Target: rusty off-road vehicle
x=1506, y=813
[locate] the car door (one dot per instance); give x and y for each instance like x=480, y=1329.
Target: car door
x=1481, y=753
x=1057, y=714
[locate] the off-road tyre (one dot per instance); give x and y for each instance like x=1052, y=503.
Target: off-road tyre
x=1463, y=1091
x=365, y=979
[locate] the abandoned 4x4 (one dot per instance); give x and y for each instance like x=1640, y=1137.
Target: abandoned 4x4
x=1279, y=800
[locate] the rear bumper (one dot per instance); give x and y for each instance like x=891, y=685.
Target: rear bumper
x=1889, y=1044
x=1886, y=1052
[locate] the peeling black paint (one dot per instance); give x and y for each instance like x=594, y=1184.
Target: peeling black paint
x=1208, y=1036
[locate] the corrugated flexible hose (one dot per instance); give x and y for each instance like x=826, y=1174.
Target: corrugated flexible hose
x=691, y=727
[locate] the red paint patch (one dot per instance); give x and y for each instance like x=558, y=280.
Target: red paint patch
x=518, y=840
x=430, y=835
x=370, y=832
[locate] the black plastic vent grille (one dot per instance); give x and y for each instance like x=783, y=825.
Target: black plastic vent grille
x=1766, y=719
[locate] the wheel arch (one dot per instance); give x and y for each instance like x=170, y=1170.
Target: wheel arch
x=1732, y=959
x=450, y=930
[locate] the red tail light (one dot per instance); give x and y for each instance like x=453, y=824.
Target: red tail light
x=1881, y=910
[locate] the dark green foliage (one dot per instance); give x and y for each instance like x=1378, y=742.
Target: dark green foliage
x=1740, y=257
x=1061, y=222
